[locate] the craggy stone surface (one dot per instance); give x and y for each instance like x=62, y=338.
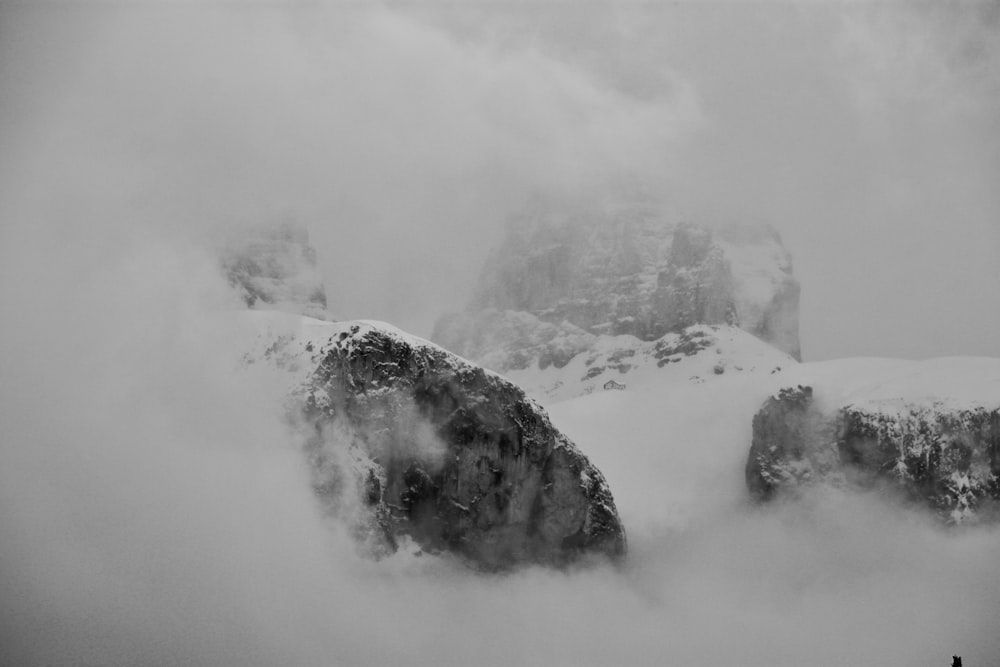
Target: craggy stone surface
x=943, y=456
x=447, y=453
x=274, y=266
x=620, y=269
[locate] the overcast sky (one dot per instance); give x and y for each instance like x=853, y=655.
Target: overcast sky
x=403, y=134
x=154, y=508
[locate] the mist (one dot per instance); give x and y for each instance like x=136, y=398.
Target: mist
x=404, y=135
x=155, y=508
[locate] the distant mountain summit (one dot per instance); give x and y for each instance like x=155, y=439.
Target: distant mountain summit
x=567, y=273
x=274, y=266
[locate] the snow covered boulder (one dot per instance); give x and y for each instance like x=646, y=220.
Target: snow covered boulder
x=930, y=429
x=408, y=439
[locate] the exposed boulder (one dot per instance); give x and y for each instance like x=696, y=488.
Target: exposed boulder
x=274, y=267
x=941, y=452
x=624, y=267
x=409, y=440
x=785, y=450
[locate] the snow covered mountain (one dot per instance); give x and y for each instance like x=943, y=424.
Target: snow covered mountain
x=927, y=431
x=620, y=267
x=930, y=429
x=673, y=445
x=273, y=266
x=406, y=440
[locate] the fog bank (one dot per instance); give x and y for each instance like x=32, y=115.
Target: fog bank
x=403, y=135
x=154, y=509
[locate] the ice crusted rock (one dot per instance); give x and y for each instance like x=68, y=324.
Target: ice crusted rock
x=406, y=439
x=622, y=267
x=941, y=451
x=274, y=267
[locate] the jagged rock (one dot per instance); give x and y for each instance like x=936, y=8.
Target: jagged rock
x=696, y=286
x=625, y=268
x=940, y=453
x=410, y=440
x=273, y=266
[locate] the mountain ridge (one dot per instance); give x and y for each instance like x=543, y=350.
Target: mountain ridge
x=566, y=274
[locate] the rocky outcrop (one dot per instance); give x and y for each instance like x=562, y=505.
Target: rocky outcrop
x=626, y=268
x=696, y=285
x=406, y=439
x=274, y=267
x=943, y=455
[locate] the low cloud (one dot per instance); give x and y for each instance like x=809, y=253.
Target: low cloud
x=154, y=508
x=400, y=145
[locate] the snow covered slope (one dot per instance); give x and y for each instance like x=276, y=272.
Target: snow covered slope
x=711, y=578
x=699, y=354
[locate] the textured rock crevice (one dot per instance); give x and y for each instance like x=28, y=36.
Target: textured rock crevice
x=274, y=266
x=453, y=456
x=944, y=457
x=565, y=273
x=696, y=286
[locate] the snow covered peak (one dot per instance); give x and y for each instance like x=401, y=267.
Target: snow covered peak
x=274, y=266
x=617, y=267
x=928, y=428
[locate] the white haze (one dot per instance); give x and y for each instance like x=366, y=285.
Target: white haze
x=403, y=134
x=153, y=508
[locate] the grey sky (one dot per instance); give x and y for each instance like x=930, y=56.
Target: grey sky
x=153, y=507
x=403, y=134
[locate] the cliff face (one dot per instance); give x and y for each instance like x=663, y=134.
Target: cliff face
x=941, y=454
x=273, y=266
x=627, y=269
x=696, y=285
x=407, y=439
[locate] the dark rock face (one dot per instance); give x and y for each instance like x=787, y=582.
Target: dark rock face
x=449, y=454
x=274, y=266
x=696, y=287
x=945, y=457
x=627, y=269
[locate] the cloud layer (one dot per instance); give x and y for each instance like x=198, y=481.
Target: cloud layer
x=152, y=507
x=404, y=134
